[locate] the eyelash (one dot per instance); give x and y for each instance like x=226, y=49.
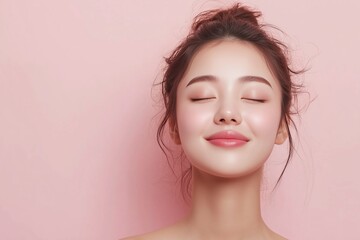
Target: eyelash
x=255, y=100
x=201, y=99
x=248, y=99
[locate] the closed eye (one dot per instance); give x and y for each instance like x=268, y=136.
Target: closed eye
x=254, y=100
x=201, y=99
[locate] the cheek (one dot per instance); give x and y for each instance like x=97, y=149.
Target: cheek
x=263, y=122
x=192, y=119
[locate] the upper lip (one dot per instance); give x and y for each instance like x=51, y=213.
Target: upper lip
x=229, y=134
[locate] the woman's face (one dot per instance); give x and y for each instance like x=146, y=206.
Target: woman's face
x=229, y=109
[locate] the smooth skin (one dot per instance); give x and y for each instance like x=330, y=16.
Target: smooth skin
x=237, y=92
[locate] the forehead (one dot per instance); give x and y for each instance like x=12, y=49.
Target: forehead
x=229, y=59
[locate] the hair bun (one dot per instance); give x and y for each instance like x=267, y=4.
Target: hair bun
x=235, y=13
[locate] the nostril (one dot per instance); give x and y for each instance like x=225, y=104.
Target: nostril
x=228, y=120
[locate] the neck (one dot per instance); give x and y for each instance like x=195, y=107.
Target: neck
x=226, y=208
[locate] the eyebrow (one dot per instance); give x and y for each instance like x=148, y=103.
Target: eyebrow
x=211, y=78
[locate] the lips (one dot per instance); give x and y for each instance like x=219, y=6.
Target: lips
x=227, y=139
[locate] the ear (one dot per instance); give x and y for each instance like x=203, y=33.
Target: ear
x=174, y=133
x=282, y=133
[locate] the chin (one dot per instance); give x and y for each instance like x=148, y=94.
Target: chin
x=230, y=172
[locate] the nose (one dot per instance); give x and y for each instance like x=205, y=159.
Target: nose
x=228, y=115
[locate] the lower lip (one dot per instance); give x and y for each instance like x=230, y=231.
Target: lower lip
x=224, y=142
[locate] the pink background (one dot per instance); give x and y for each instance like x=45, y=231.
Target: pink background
x=78, y=156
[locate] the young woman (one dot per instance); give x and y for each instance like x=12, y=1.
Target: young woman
x=228, y=92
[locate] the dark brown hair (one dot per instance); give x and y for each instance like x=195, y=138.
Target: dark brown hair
x=238, y=22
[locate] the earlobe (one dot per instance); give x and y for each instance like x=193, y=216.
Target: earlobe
x=174, y=133
x=282, y=133
x=175, y=136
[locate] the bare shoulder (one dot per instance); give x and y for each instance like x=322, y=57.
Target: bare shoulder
x=173, y=232
x=132, y=238
x=139, y=237
x=276, y=236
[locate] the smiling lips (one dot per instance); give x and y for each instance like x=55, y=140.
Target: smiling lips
x=227, y=139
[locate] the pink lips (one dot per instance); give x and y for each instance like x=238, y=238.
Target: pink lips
x=227, y=139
